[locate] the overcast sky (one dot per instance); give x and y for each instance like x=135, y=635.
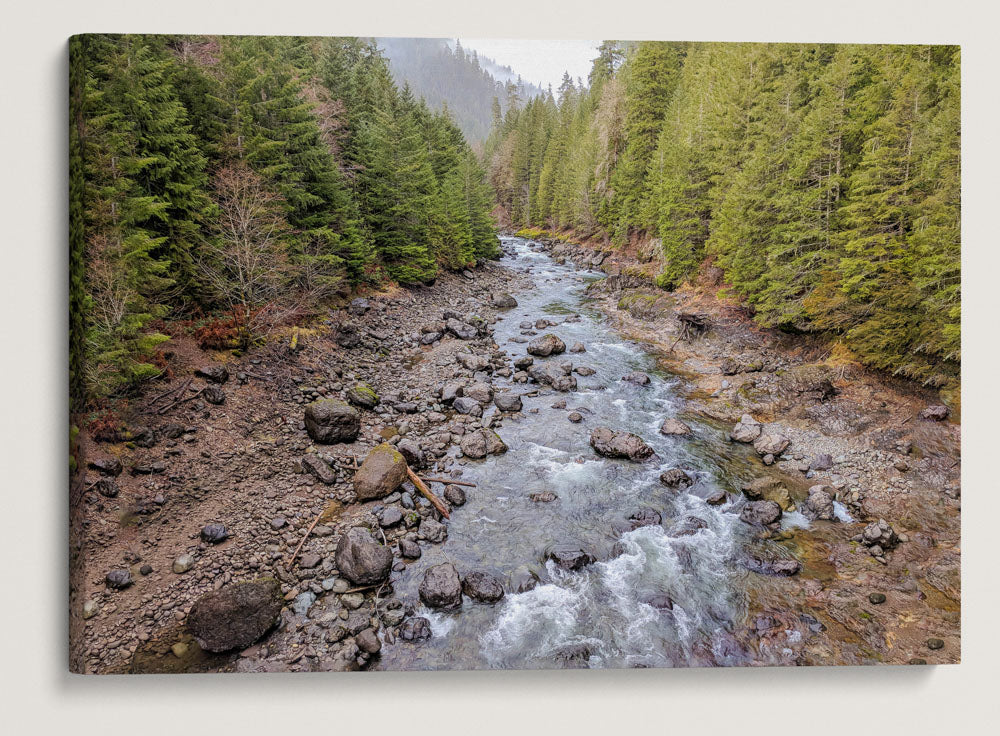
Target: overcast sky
x=539, y=62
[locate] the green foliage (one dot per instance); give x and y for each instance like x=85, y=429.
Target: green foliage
x=823, y=179
x=175, y=139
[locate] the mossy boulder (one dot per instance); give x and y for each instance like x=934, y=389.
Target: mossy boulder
x=363, y=395
x=382, y=472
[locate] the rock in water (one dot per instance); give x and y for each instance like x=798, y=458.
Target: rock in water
x=761, y=513
x=545, y=345
x=416, y=628
x=569, y=557
x=236, y=616
x=482, y=587
x=675, y=478
x=644, y=517
x=214, y=372
x=637, y=378
x=609, y=443
x=361, y=559
x=746, y=430
x=504, y=301
x=382, y=472
x=329, y=421
x=673, y=426
x=454, y=495
x=363, y=395
x=441, y=587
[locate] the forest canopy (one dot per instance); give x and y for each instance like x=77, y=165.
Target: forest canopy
x=257, y=177
x=823, y=179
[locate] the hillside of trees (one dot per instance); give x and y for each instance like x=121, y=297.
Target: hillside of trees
x=241, y=181
x=823, y=179
x=449, y=77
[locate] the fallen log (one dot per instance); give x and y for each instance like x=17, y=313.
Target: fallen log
x=448, y=482
x=422, y=487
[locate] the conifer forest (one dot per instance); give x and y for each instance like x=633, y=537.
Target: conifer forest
x=386, y=356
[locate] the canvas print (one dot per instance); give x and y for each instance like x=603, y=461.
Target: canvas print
x=416, y=354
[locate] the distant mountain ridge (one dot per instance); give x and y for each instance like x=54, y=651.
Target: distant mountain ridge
x=445, y=74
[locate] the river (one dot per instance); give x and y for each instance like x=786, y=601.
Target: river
x=603, y=615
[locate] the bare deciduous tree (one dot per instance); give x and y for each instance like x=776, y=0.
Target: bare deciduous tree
x=246, y=267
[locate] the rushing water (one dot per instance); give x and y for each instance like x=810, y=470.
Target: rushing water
x=601, y=615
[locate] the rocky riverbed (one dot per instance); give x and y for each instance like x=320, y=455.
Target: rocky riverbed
x=608, y=503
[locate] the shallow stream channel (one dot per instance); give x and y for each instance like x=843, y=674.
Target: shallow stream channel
x=666, y=594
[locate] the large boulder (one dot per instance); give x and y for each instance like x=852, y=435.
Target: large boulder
x=235, y=616
x=609, y=443
x=558, y=376
x=382, y=472
x=482, y=587
x=770, y=444
x=481, y=443
x=504, y=301
x=761, y=513
x=441, y=587
x=361, y=559
x=545, y=345
x=746, y=430
x=363, y=395
x=329, y=421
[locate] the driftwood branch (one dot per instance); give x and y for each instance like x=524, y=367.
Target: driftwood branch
x=170, y=392
x=448, y=482
x=168, y=407
x=308, y=532
x=422, y=487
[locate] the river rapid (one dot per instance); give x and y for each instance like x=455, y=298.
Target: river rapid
x=615, y=612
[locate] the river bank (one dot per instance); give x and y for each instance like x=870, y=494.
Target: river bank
x=248, y=463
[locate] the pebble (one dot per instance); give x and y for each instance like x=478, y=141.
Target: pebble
x=877, y=598
x=935, y=644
